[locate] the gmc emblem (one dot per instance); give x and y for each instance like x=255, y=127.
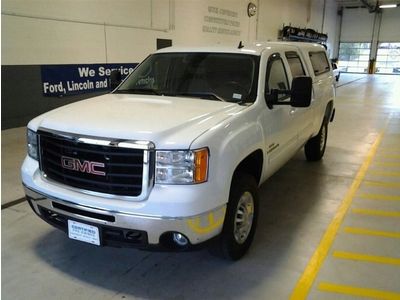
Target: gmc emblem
x=86, y=166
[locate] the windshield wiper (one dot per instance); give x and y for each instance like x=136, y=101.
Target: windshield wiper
x=138, y=91
x=201, y=95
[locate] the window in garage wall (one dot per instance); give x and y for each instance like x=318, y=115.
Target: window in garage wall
x=354, y=57
x=388, y=58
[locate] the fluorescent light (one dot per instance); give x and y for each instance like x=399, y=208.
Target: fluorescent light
x=387, y=5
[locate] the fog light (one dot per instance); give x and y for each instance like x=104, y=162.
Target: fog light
x=180, y=239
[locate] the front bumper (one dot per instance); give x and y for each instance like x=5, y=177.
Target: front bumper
x=125, y=229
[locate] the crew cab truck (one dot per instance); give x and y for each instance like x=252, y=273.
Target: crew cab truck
x=173, y=157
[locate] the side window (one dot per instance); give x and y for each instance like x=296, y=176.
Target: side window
x=319, y=62
x=296, y=67
x=276, y=77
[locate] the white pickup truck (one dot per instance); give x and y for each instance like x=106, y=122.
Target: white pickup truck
x=173, y=157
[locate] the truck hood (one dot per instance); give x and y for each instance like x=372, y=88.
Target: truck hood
x=168, y=122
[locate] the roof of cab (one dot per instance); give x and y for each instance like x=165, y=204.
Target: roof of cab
x=255, y=48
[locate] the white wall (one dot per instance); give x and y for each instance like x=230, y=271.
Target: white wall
x=274, y=14
x=98, y=31
x=64, y=31
x=389, y=31
x=331, y=23
x=357, y=25
x=90, y=31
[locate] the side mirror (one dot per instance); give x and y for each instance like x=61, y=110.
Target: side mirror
x=115, y=79
x=301, y=92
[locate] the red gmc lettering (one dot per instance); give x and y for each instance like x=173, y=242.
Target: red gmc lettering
x=86, y=166
x=97, y=164
x=82, y=167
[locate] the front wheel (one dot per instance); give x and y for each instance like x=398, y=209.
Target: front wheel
x=240, y=219
x=314, y=149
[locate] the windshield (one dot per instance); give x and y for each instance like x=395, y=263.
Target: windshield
x=212, y=76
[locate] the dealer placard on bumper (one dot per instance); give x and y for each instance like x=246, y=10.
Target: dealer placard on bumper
x=83, y=232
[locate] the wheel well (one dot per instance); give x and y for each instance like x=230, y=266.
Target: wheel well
x=252, y=165
x=329, y=112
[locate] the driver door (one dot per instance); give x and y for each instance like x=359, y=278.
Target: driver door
x=280, y=120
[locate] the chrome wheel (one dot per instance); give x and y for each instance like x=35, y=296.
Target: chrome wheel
x=243, y=217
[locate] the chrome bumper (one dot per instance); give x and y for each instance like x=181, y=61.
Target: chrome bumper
x=197, y=228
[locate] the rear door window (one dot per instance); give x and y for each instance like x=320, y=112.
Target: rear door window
x=295, y=64
x=319, y=62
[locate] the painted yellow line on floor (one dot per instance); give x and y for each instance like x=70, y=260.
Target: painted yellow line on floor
x=395, y=185
x=365, y=231
x=358, y=291
x=396, y=156
x=306, y=280
x=389, y=150
x=378, y=213
x=384, y=173
x=367, y=258
x=387, y=163
x=379, y=197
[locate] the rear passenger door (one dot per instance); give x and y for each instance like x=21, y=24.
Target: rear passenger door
x=323, y=85
x=303, y=116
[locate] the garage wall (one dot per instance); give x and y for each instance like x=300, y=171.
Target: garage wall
x=54, y=32
x=389, y=31
x=63, y=31
x=331, y=27
x=320, y=15
x=98, y=31
x=357, y=25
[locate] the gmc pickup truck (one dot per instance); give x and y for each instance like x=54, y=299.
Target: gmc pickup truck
x=173, y=157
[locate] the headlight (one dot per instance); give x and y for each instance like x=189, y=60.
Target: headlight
x=32, y=144
x=182, y=167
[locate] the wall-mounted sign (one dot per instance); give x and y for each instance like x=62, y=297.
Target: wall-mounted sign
x=63, y=80
x=221, y=21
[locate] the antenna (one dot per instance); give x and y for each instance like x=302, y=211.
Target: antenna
x=240, y=45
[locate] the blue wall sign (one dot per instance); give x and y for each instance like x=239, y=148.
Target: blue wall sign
x=63, y=80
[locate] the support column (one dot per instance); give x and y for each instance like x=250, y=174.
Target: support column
x=374, y=41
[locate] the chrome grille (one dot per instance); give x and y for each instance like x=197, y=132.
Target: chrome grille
x=101, y=166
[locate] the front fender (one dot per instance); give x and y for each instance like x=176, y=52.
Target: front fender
x=230, y=142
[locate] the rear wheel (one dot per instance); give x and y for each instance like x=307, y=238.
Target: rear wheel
x=240, y=219
x=315, y=147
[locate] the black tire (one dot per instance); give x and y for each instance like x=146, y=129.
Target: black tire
x=233, y=246
x=314, y=149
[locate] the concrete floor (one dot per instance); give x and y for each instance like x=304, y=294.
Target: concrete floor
x=298, y=204
x=13, y=151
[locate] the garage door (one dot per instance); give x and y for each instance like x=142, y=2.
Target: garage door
x=354, y=57
x=388, y=58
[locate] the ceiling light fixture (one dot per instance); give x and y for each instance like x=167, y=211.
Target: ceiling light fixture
x=387, y=5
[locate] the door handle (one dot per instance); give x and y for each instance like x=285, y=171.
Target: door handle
x=292, y=112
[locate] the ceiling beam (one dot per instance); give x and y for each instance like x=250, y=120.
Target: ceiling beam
x=371, y=8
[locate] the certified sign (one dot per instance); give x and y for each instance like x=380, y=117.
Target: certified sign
x=83, y=232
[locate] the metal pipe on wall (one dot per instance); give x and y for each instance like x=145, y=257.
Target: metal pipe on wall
x=323, y=17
